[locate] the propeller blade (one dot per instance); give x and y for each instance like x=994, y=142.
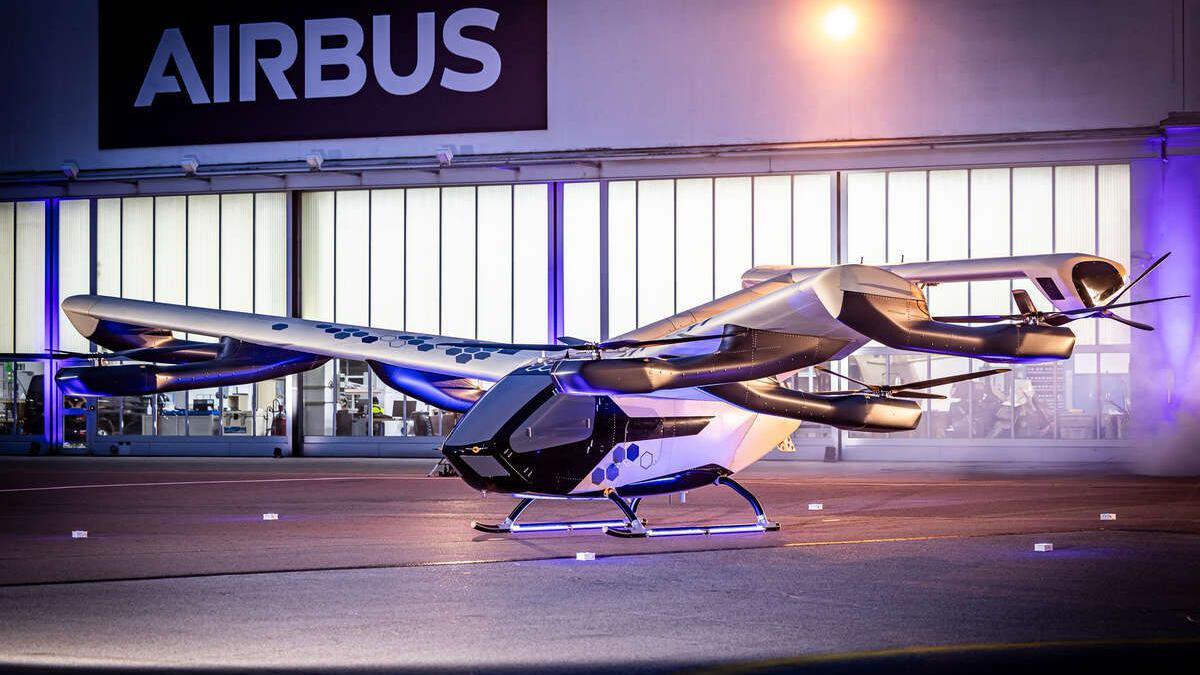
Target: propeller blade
x=1128, y=322
x=977, y=318
x=846, y=377
x=1133, y=283
x=1096, y=310
x=1023, y=302
x=951, y=379
x=573, y=342
x=917, y=394
x=623, y=344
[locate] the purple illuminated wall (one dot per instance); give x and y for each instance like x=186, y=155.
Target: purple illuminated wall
x=1165, y=204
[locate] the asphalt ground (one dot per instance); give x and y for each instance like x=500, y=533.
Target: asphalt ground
x=373, y=566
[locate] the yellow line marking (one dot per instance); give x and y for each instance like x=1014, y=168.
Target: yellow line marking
x=888, y=540
x=941, y=649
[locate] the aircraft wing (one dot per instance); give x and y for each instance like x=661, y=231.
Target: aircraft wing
x=416, y=363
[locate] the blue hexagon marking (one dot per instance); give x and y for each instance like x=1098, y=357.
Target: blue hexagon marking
x=612, y=472
x=322, y=326
x=508, y=351
x=414, y=342
x=424, y=348
x=360, y=333
x=598, y=475
x=482, y=355
x=632, y=452
x=471, y=350
x=370, y=338
x=406, y=337
x=279, y=326
x=619, y=455
x=333, y=330
x=341, y=336
x=454, y=351
x=463, y=358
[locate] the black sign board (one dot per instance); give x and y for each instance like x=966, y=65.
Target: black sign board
x=183, y=73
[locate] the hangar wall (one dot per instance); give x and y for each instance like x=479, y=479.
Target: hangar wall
x=632, y=74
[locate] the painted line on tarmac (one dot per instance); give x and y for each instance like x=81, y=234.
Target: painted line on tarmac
x=888, y=540
x=210, y=482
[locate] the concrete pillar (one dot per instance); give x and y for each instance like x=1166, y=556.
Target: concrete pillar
x=1165, y=363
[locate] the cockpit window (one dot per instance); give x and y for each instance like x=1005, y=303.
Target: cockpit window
x=565, y=418
x=496, y=407
x=1095, y=281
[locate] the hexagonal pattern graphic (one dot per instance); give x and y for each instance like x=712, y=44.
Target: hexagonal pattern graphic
x=278, y=326
x=619, y=455
x=632, y=452
x=462, y=358
x=597, y=475
x=482, y=355
x=647, y=460
x=612, y=472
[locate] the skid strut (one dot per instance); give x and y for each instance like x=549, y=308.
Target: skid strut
x=637, y=528
x=510, y=524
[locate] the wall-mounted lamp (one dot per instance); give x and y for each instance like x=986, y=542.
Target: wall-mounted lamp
x=189, y=164
x=445, y=156
x=70, y=170
x=315, y=159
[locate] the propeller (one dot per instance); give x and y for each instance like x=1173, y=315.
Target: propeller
x=566, y=343
x=1031, y=315
x=906, y=389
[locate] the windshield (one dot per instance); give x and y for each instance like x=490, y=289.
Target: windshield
x=497, y=407
x=565, y=418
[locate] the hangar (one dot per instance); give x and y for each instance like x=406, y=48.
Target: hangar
x=616, y=177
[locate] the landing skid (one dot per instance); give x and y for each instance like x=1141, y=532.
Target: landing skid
x=630, y=526
x=637, y=529
x=510, y=523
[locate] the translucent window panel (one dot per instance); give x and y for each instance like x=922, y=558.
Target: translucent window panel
x=531, y=260
x=421, y=260
x=352, y=271
x=237, y=252
x=622, y=257
x=1038, y=395
x=495, y=230
x=773, y=220
x=137, y=248
x=732, y=236
x=906, y=216
x=866, y=218
x=31, y=277
x=1075, y=224
x=990, y=297
x=949, y=417
x=8, y=262
x=458, y=261
x=812, y=203
x=1033, y=210
x=387, y=258
x=108, y=247
x=1075, y=209
x=948, y=298
x=656, y=250
x=28, y=396
x=316, y=255
x=1112, y=224
x=204, y=252
x=1078, y=420
x=990, y=230
x=1115, y=404
x=270, y=254
x=581, y=260
x=947, y=215
x=74, y=264
x=170, y=250
x=317, y=394
x=693, y=242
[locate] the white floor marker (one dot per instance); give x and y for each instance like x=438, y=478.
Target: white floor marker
x=1108, y=516
x=79, y=534
x=585, y=555
x=270, y=516
x=816, y=507
x=1043, y=547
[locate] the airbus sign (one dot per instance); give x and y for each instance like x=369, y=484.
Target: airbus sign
x=237, y=72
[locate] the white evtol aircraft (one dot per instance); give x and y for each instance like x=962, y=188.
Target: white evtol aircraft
x=675, y=405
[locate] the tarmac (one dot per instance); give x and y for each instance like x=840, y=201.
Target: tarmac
x=372, y=566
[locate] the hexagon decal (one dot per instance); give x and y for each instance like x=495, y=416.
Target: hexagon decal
x=619, y=455
x=612, y=472
x=278, y=326
x=482, y=355
x=424, y=348
x=647, y=460
x=462, y=358
x=597, y=475
x=632, y=452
